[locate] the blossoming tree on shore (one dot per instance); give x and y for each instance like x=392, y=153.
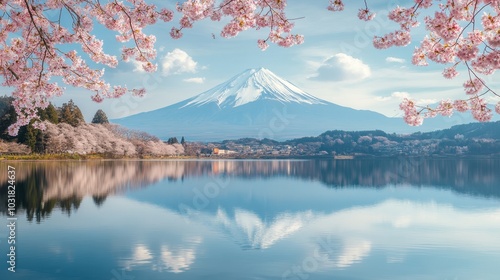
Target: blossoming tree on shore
x=36, y=49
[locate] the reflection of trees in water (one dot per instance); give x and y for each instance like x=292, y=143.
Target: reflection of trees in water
x=29, y=196
x=479, y=176
x=43, y=186
x=99, y=199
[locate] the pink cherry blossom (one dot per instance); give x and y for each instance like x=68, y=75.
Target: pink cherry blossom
x=450, y=73
x=411, y=115
x=424, y=3
x=405, y=17
x=336, y=5
x=473, y=86
x=479, y=109
x=419, y=57
x=445, y=27
x=263, y=44
x=445, y=108
x=37, y=50
x=461, y=105
x=467, y=52
x=175, y=33
x=497, y=107
x=413, y=119
x=366, y=14
x=487, y=63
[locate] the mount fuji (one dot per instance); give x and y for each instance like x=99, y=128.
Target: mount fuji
x=257, y=104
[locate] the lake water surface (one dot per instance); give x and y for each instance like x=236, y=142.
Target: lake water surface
x=274, y=219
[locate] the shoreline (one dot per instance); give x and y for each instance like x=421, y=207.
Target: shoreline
x=102, y=157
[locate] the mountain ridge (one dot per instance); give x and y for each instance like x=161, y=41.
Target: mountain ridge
x=258, y=104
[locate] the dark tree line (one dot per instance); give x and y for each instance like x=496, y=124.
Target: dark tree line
x=100, y=117
x=173, y=140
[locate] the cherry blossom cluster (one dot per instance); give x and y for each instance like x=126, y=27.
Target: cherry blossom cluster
x=461, y=33
x=412, y=115
x=34, y=48
x=243, y=15
x=34, y=43
x=38, y=39
x=406, y=18
x=93, y=138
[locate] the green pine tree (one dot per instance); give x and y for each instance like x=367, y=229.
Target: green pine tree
x=71, y=114
x=34, y=138
x=51, y=114
x=172, y=140
x=28, y=135
x=8, y=116
x=100, y=117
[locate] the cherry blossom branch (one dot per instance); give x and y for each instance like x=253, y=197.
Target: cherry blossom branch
x=30, y=41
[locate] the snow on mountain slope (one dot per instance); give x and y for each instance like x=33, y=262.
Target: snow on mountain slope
x=251, y=231
x=251, y=85
x=259, y=104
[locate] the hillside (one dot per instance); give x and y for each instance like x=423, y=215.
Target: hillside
x=463, y=140
x=472, y=130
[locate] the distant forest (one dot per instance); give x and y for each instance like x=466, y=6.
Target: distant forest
x=467, y=139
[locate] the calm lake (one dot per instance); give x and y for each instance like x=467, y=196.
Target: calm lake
x=275, y=219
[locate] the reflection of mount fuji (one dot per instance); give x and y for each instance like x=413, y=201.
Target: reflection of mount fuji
x=249, y=230
x=42, y=186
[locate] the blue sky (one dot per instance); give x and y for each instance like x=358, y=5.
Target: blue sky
x=337, y=62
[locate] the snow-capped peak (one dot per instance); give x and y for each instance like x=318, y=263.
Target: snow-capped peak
x=252, y=85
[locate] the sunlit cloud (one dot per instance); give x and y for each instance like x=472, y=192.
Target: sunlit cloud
x=381, y=223
x=400, y=95
x=395, y=59
x=342, y=67
x=380, y=226
x=196, y=80
x=177, y=62
x=179, y=260
x=174, y=259
x=137, y=66
x=353, y=252
x=141, y=255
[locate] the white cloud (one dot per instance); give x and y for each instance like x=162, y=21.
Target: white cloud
x=379, y=224
x=353, y=253
x=141, y=255
x=395, y=59
x=177, y=62
x=196, y=80
x=342, y=67
x=177, y=261
x=137, y=66
x=400, y=95
x=397, y=95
